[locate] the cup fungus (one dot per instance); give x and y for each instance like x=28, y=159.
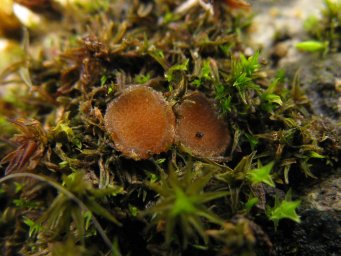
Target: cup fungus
x=140, y=122
x=198, y=127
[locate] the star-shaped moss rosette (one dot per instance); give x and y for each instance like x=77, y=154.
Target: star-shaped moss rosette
x=182, y=205
x=284, y=209
x=198, y=127
x=140, y=122
x=262, y=174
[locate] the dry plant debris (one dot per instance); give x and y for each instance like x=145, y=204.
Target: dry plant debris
x=140, y=122
x=199, y=128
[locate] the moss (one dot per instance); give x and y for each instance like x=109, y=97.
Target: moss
x=326, y=29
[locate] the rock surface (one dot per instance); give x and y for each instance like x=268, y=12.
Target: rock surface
x=276, y=29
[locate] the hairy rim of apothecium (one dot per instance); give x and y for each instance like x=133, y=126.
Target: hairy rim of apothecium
x=140, y=122
x=199, y=128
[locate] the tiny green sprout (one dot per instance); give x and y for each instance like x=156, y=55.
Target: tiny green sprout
x=87, y=215
x=226, y=104
x=169, y=75
x=200, y=247
x=160, y=161
x=73, y=40
x=205, y=74
x=5, y=126
x=93, y=6
x=222, y=98
x=18, y=187
x=2, y=191
x=272, y=98
x=116, y=251
x=63, y=164
x=25, y=76
x=286, y=209
x=111, y=88
x=183, y=204
x=21, y=203
x=226, y=48
x=219, y=91
x=152, y=177
x=311, y=23
x=333, y=7
x=312, y=46
x=271, y=101
x=170, y=17
x=77, y=142
x=251, y=203
x=245, y=66
x=243, y=70
x=63, y=127
x=141, y=78
x=104, y=79
x=34, y=227
x=159, y=53
x=133, y=210
x=156, y=54
x=262, y=174
x=253, y=140
x=314, y=154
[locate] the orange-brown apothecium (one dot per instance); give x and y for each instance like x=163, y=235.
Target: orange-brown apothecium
x=198, y=127
x=140, y=122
